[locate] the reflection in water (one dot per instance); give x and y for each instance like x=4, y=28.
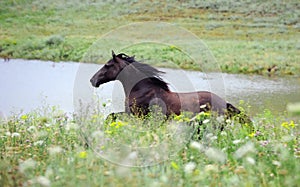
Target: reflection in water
x=28, y=84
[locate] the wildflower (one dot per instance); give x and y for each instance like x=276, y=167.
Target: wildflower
x=24, y=117
x=189, y=167
x=205, y=121
x=251, y=135
x=27, y=164
x=197, y=146
x=82, y=154
x=247, y=148
x=203, y=106
x=55, y=150
x=31, y=129
x=43, y=181
x=288, y=125
x=236, y=141
x=7, y=133
x=181, y=118
x=15, y=134
x=250, y=160
x=38, y=143
x=264, y=143
x=216, y=155
x=174, y=165
x=276, y=163
x=71, y=126
x=117, y=124
x=223, y=133
x=220, y=119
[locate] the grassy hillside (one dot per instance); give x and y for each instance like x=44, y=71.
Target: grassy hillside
x=245, y=37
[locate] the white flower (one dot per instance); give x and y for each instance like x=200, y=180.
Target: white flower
x=250, y=160
x=43, y=181
x=54, y=150
x=247, y=148
x=189, y=167
x=223, y=133
x=39, y=142
x=205, y=121
x=7, y=133
x=71, y=126
x=27, y=164
x=15, y=134
x=220, y=119
x=276, y=163
x=216, y=155
x=48, y=124
x=203, y=106
x=236, y=141
x=31, y=129
x=197, y=146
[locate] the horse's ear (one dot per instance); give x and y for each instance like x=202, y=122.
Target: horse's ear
x=113, y=54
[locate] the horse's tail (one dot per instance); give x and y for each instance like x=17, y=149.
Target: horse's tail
x=243, y=118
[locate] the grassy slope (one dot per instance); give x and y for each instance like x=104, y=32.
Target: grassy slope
x=245, y=37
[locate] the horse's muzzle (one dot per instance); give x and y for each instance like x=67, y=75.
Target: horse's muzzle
x=95, y=83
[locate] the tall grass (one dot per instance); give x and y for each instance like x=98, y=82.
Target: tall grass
x=49, y=148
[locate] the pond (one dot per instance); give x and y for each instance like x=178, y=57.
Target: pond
x=30, y=84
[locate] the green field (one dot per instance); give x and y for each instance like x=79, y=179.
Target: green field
x=258, y=37
x=48, y=148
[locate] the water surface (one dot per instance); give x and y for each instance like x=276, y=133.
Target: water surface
x=30, y=84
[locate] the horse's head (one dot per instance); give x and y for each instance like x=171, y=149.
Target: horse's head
x=110, y=70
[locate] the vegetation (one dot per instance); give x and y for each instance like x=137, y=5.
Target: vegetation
x=48, y=148
x=260, y=37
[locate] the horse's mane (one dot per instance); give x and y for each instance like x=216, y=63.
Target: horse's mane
x=151, y=72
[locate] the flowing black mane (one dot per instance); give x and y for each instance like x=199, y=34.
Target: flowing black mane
x=147, y=70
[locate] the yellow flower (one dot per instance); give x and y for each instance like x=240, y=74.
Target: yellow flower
x=251, y=134
x=82, y=154
x=292, y=124
x=181, y=118
x=288, y=125
x=174, y=165
x=24, y=117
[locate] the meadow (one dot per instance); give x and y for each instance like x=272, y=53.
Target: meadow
x=47, y=147
x=252, y=37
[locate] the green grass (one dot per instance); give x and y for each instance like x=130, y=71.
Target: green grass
x=245, y=37
x=47, y=148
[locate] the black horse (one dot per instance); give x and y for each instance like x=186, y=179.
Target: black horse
x=144, y=87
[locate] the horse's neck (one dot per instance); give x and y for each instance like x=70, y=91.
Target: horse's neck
x=132, y=87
